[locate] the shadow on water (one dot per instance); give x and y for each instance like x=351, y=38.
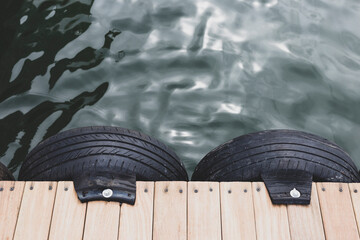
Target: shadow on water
x=38, y=34
x=26, y=29
x=28, y=123
x=85, y=59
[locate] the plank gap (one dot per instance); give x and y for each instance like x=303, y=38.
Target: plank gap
x=337, y=211
x=305, y=221
x=271, y=220
x=136, y=222
x=35, y=211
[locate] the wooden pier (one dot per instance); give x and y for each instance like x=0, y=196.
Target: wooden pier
x=178, y=210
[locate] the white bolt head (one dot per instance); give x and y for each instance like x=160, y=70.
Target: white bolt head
x=107, y=193
x=295, y=193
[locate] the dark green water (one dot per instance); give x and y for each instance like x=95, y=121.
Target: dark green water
x=193, y=74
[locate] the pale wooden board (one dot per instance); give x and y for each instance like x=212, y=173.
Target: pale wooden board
x=355, y=196
x=237, y=211
x=102, y=220
x=36, y=211
x=305, y=220
x=68, y=214
x=204, y=221
x=271, y=220
x=10, y=200
x=136, y=221
x=170, y=211
x=337, y=212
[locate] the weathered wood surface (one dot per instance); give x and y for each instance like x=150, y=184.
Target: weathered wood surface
x=136, y=222
x=170, y=211
x=355, y=197
x=337, y=211
x=36, y=211
x=305, y=221
x=68, y=215
x=102, y=220
x=204, y=219
x=271, y=220
x=10, y=199
x=237, y=211
x=178, y=210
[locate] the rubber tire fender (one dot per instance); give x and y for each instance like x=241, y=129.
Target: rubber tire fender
x=246, y=157
x=65, y=155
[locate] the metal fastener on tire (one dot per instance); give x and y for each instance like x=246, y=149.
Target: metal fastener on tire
x=107, y=193
x=295, y=193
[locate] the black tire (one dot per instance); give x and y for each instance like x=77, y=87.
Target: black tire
x=246, y=157
x=89, y=149
x=5, y=174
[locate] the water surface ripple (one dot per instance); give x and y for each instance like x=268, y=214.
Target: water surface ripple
x=193, y=74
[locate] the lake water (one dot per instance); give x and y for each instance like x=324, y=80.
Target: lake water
x=193, y=74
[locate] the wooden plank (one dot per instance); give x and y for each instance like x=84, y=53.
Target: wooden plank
x=102, y=220
x=271, y=220
x=305, y=220
x=237, y=211
x=170, y=211
x=355, y=197
x=136, y=221
x=36, y=210
x=337, y=212
x=68, y=215
x=204, y=221
x=10, y=200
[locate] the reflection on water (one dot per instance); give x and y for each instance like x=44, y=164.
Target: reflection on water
x=191, y=73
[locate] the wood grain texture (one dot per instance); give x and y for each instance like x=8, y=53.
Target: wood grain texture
x=36, y=210
x=170, y=211
x=68, y=214
x=10, y=200
x=204, y=221
x=102, y=220
x=305, y=220
x=136, y=221
x=271, y=220
x=337, y=212
x=237, y=211
x=355, y=196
